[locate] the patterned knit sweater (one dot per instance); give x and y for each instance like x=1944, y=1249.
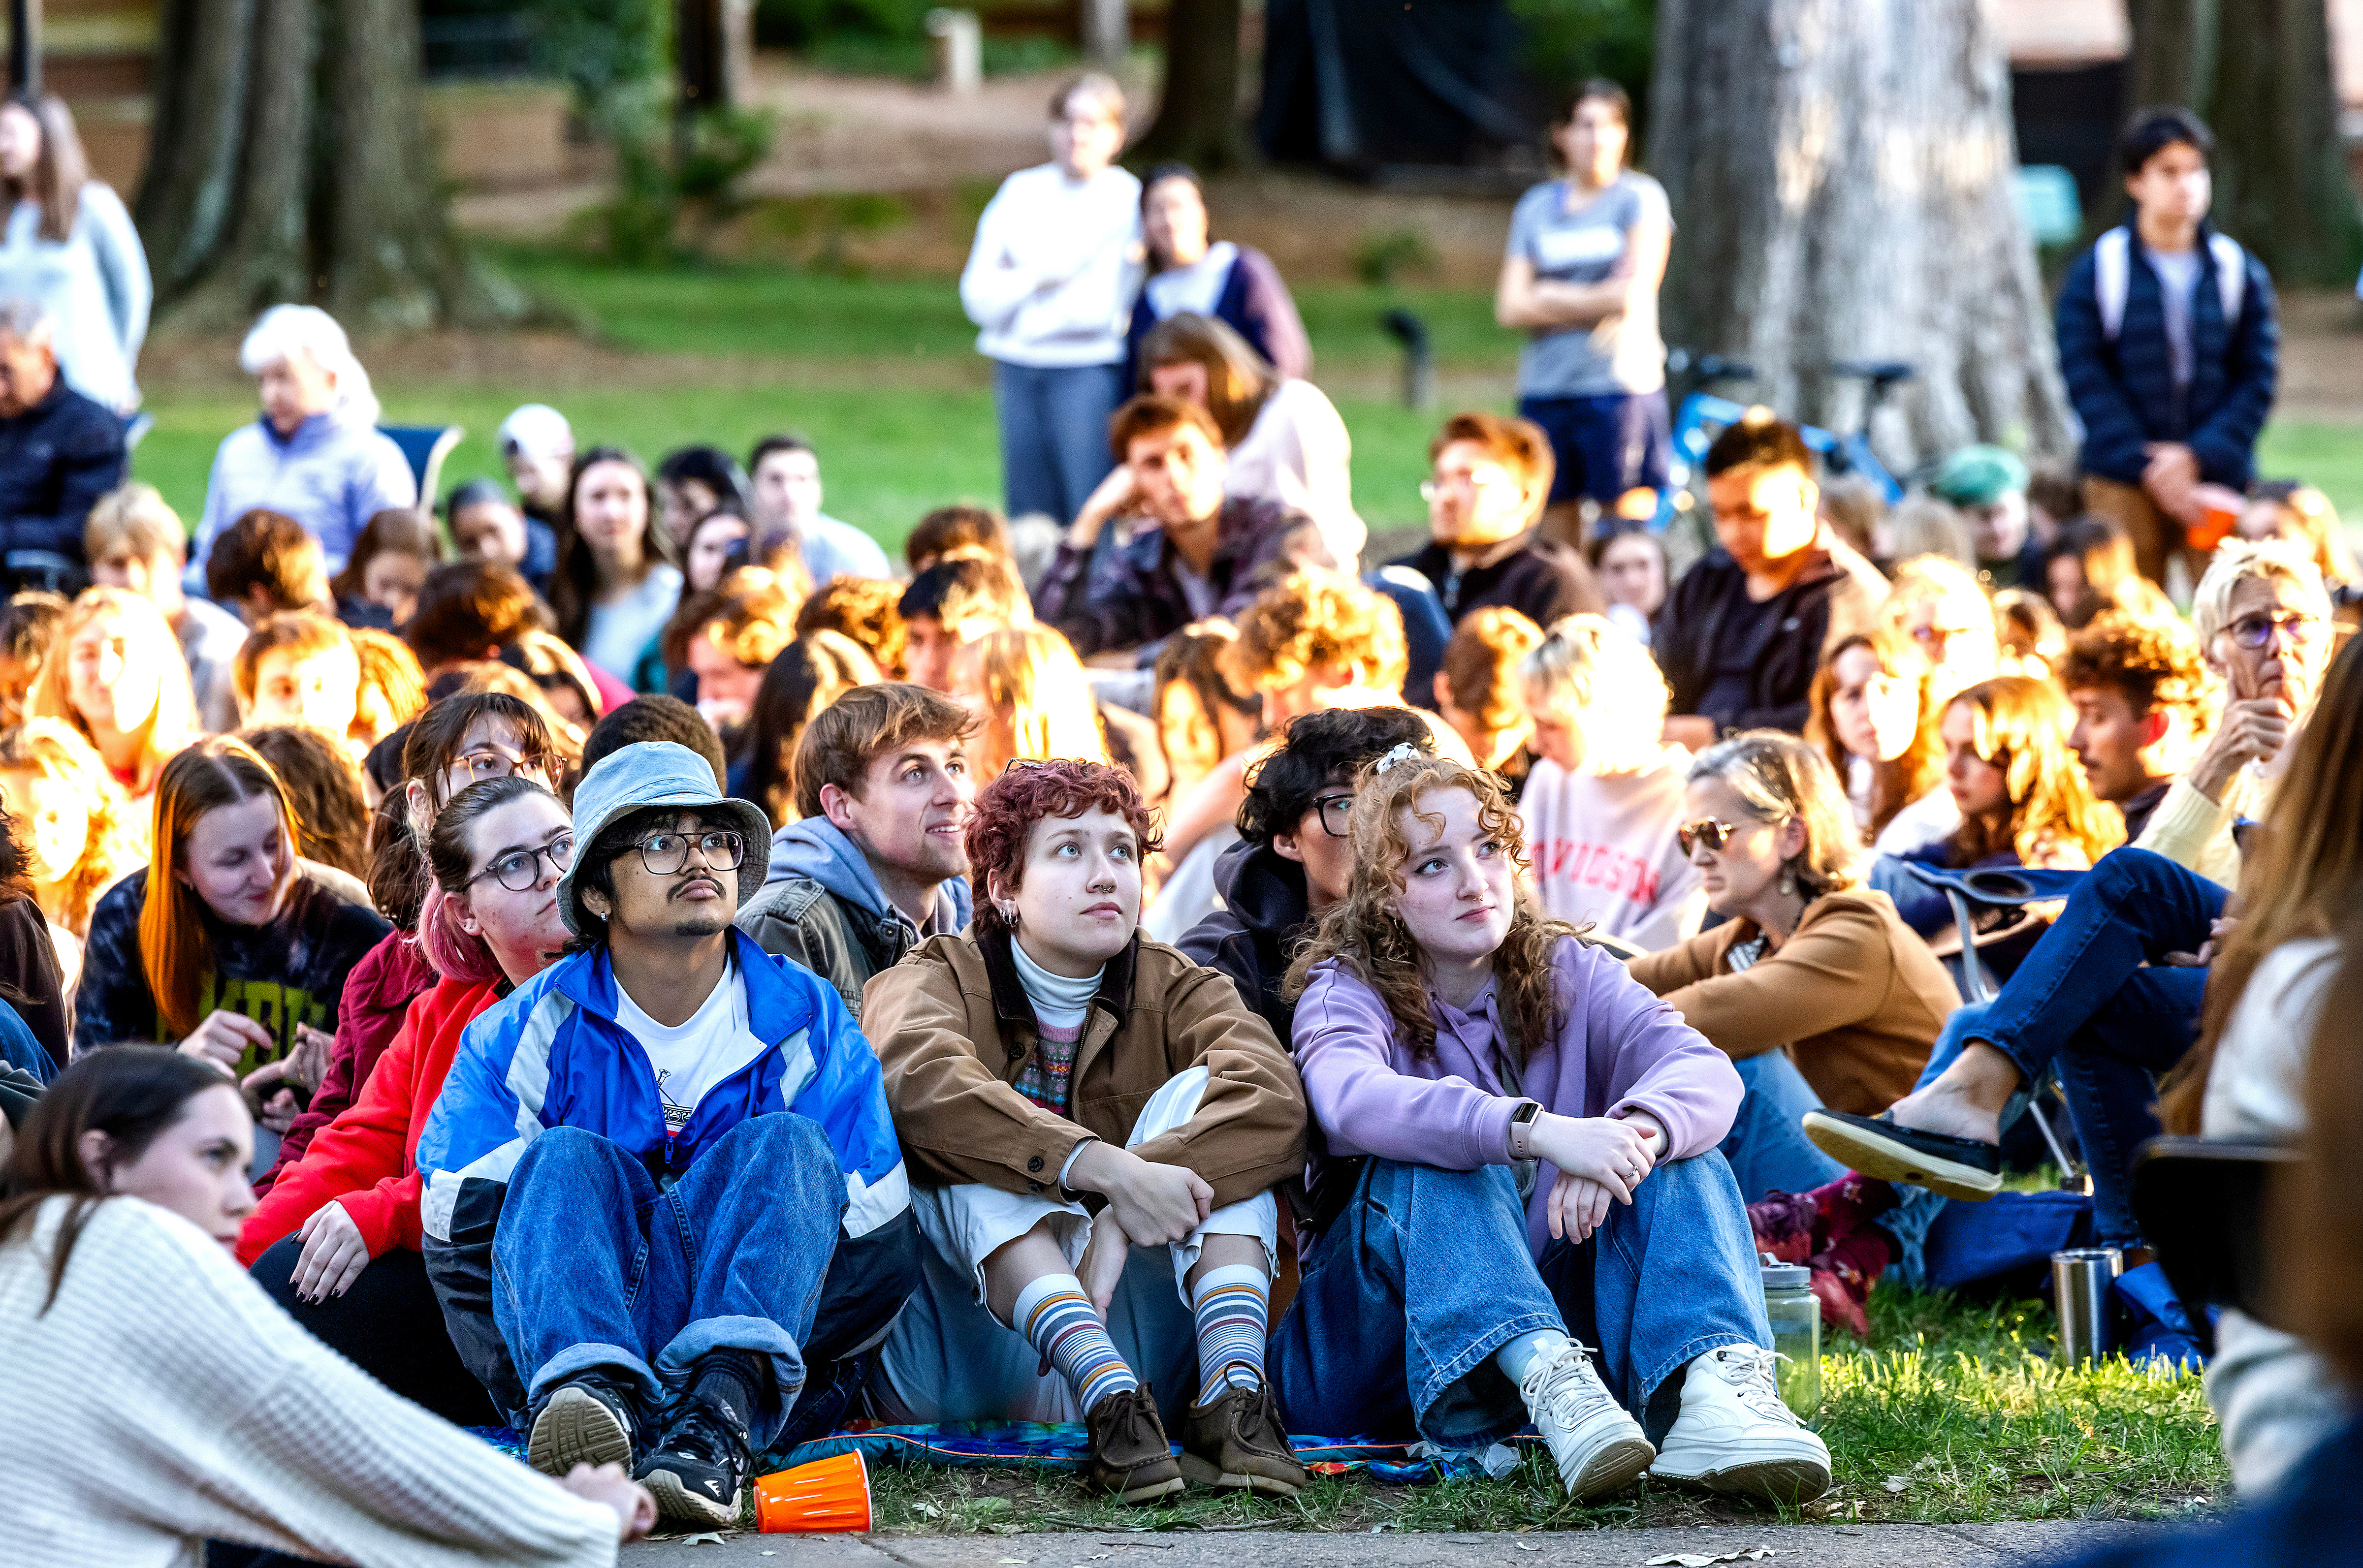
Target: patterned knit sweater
x=162, y=1399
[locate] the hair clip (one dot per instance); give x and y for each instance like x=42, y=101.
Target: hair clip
x=1404, y=752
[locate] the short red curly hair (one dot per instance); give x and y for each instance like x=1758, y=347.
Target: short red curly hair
x=1027, y=792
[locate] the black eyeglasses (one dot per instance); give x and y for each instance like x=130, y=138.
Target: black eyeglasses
x=665, y=853
x=1712, y=833
x=2255, y=631
x=1337, y=815
x=519, y=869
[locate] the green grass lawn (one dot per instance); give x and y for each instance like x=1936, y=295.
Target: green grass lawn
x=1951, y=1413
x=882, y=372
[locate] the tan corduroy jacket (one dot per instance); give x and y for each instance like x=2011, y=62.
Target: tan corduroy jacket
x=953, y=1028
x=1854, y=992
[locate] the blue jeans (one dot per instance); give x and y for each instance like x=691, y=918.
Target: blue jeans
x=595, y=1267
x=1054, y=434
x=1767, y=1148
x=1408, y=1294
x=1606, y=446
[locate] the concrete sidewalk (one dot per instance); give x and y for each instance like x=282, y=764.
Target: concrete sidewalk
x=1793, y=1546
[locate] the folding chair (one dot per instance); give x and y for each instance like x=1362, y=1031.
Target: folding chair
x=425, y=446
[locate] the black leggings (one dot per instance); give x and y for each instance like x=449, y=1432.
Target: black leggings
x=389, y=1324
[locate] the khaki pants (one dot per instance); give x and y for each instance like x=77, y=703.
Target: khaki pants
x=2156, y=537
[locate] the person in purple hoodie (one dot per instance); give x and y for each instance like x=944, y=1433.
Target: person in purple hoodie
x=1535, y=1136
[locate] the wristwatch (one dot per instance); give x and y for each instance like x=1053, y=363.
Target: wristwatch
x=1522, y=1127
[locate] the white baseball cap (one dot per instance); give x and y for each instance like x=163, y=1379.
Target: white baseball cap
x=537, y=430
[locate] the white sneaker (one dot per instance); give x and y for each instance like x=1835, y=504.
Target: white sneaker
x=1599, y=1447
x=1735, y=1435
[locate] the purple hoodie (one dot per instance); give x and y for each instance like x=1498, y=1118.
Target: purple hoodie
x=1620, y=1050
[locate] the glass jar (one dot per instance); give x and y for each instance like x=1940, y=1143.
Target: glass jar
x=1796, y=1315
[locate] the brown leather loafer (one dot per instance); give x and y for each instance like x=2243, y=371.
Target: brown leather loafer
x=1130, y=1455
x=1237, y=1443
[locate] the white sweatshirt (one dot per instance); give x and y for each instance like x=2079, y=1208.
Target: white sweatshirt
x=1604, y=851
x=1055, y=267
x=163, y=1398
x=1297, y=452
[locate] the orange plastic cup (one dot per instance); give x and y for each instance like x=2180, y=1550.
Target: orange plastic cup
x=827, y=1496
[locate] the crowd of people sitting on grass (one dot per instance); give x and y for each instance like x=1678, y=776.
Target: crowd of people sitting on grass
x=681, y=986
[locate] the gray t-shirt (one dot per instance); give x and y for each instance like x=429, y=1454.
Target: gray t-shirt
x=1589, y=244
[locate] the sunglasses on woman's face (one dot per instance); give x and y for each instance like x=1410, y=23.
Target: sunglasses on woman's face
x=1708, y=831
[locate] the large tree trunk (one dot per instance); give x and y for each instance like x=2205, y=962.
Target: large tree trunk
x=1198, y=112
x=2258, y=73
x=1840, y=172
x=290, y=162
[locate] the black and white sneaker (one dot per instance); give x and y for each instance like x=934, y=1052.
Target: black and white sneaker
x=1953, y=1167
x=699, y=1467
x=586, y=1422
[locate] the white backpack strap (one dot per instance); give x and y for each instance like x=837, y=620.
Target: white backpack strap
x=2111, y=258
x=2231, y=276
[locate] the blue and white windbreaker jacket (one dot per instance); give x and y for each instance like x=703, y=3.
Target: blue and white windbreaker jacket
x=552, y=1054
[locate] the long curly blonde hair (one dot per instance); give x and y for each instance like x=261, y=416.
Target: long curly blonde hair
x=113, y=844
x=1365, y=932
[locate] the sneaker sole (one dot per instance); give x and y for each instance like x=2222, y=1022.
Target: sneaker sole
x=576, y=1428
x=678, y=1503
x=1613, y=1469
x=1202, y=1473
x=1875, y=1156
x=1797, y=1475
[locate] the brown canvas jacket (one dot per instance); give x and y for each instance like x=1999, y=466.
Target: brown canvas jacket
x=1855, y=993
x=953, y=1028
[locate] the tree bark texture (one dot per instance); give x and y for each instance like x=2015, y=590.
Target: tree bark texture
x=1198, y=119
x=290, y=162
x=1840, y=173
x=2258, y=73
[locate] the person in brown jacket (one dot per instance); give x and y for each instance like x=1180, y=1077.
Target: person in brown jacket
x=1813, y=985
x=1068, y=1091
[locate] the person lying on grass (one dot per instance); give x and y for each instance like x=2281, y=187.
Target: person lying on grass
x=1535, y=1139
x=1085, y=1109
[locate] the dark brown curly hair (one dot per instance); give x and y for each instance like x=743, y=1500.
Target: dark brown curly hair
x=1027, y=792
x=1368, y=939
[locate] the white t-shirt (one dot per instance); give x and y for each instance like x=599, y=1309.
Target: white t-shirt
x=1297, y=452
x=692, y=1057
x=1604, y=850
x=1194, y=288
x=2178, y=279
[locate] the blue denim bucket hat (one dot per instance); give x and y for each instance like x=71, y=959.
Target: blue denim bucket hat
x=660, y=773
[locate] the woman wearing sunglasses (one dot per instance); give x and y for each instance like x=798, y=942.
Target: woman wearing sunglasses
x=465, y=739
x=1508, y=1121
x=1812, y=985
x=337, y=1243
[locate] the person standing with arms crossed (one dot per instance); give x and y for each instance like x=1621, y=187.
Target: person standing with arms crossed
x=1050, y=280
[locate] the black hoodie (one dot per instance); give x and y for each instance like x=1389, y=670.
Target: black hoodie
x=1267, y=913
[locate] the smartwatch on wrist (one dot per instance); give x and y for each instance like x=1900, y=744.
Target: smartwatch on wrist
x=1521, y=1127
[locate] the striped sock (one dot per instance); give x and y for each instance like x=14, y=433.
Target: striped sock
x=1057, y=1320
x=1232, y=1304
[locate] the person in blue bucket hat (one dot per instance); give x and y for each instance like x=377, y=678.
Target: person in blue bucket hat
x=665, y=1211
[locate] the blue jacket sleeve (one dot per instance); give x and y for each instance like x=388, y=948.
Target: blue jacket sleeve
x=465, y=1156
x=2114, y=434
x=2225, y=442
x=846, y=1096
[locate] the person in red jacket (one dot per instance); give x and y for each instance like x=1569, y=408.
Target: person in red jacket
x=336, y=1241
x=462, y=740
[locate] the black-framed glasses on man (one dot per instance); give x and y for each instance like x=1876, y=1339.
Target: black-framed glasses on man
x=518, y=869
x=1337, y=815
x=666, y=853
x=1710, y=830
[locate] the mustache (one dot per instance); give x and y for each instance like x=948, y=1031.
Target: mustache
x=702, y=879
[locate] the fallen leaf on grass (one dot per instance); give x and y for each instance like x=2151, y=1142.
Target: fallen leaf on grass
x=1895, y=1483
x=926, y=1510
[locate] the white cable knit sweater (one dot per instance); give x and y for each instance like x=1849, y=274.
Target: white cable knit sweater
x=164, y=1399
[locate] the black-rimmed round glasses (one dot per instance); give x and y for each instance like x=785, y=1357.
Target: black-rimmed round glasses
x=519, y=869
x=666, y=853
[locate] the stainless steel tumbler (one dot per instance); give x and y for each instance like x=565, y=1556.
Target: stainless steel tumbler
x=2083, y=1281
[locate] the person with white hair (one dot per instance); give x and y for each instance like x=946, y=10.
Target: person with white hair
x=317, y=454
x=59, y=451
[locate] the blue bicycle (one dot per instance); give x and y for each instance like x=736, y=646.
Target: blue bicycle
x=1703, y=415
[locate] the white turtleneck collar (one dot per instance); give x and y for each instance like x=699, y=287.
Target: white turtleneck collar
x=1058, y=1002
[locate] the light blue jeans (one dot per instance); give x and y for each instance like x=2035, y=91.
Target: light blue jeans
x=1767, y=1148
x=1408, y=1294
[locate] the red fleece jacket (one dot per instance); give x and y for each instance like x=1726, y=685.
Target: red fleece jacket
x=367, y=1158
